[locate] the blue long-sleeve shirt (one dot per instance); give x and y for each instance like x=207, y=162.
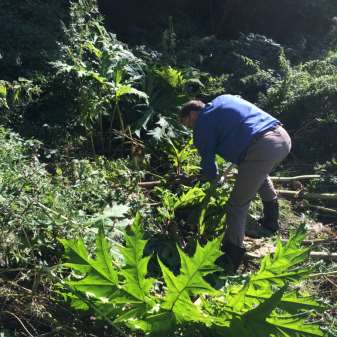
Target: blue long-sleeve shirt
x=226, y=126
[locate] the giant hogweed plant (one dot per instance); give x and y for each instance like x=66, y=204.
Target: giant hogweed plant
x=101, y=69
x=121, y=293
x=205, y=204
x=167, y=89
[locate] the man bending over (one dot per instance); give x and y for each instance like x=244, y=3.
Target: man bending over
x=245, y=135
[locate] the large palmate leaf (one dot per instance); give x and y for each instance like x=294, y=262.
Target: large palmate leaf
x=276, y=270
x=292, y=301
x=258, y=305
x=264, y=320
x=264, y=316
x=285, y=264
x=135, y=270
x=190, y=281
x=100, y=280
x=262, y=307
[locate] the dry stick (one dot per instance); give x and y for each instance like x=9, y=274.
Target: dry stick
x=227, y=173
x=45, y=208
x=314, y=255
x=19, y=320
x=332, y=273
x=130, y=138
x=308, y=195
x=316, y=241
x=330, y=281
x=149, y=184
x=324, y=256
x=323, y=209
x=309, y=176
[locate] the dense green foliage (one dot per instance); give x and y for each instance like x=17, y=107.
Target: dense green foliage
x=37, y=207
x=86, y=116
x=123, y=295
x=97, y=84
x=306, y=101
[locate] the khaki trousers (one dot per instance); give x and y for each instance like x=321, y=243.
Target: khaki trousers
x=262, y=156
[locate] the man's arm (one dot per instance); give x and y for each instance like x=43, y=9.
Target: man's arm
x=205, y=142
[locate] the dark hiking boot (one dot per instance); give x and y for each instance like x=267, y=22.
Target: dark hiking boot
x=233, y=257
x=270, y=218
x=229, y=262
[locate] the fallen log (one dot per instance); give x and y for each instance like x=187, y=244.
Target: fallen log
x=149, y=184
x=325, y=210
x=314, y=255
x=324, y=256
x=227, y=173
x=304, y=177
x=308, y=195
x=328, y=241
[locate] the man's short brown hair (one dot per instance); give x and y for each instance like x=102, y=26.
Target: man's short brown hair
x=193, y=105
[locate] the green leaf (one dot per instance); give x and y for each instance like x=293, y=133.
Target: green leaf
x=292, y=301
x=294, y=326
x=285, y=264
x=100, y=279
x=96, y=76
x=128, y=90
x=75, y=251
x=204, y=206
x=3, y=91
x=264, y=310
x=190, y=282
x=262, y=307
x=192, y=197
x=116, y=211
x=172, y=76
x=90, y=46
x=110, y=212
x=264, y=321
x=135, y=269
x=276, y=270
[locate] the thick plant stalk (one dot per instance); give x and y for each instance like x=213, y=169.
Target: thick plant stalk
x=121, y=122
x=92, y=144
x=101, y=131
x=110, y=127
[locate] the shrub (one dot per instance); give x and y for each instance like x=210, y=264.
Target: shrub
x=37, y=207
x=305, y=100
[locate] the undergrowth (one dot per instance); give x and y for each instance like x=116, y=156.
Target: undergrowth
x=268, y=303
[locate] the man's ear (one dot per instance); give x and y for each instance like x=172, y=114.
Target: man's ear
x=194, y=114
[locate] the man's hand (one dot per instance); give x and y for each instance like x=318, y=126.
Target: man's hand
x=227, y=171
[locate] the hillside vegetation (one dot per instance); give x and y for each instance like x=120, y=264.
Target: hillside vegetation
x=105, y=229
